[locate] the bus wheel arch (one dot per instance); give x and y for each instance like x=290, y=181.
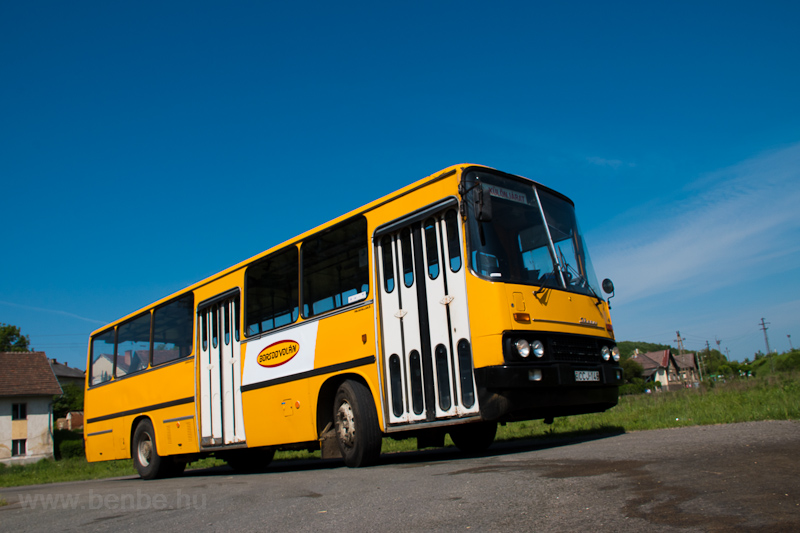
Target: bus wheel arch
x=346, y=406
x=356, y=424
x=135, y=424
x=144, y=452
x=326, y=397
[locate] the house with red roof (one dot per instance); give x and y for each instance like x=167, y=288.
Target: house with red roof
x=27, y=387
x=672, y=371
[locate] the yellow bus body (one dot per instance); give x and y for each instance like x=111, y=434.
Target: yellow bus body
x=349, y=344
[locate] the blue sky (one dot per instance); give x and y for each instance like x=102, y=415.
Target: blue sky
x=145, y=146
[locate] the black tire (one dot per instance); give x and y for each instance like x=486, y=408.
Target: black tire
x=475, y=437
x=246, y=461
x=146, y=460
x=356, y=425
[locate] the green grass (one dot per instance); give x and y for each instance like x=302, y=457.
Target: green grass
x=773, y=397
x=74, y=469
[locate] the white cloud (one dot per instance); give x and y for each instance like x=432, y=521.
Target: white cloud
x=738, y=223
x=53, y=311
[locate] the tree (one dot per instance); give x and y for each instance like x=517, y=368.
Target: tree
x=626, y=348
x=631, y=370
x=12, y=340
x=71, y=400
x=713, y=361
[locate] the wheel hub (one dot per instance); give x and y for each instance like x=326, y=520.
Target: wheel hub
x=345, y=424
x=145, y=449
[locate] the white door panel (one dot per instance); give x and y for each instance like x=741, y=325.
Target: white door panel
x=426, y=360
x=221, y=418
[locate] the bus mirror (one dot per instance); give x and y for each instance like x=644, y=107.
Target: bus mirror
x=483, y=207
x=608, y=286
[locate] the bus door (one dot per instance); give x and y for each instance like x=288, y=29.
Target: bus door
x=221, y=419
x=427, y=357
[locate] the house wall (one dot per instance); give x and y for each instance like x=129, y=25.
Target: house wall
x=35, y=430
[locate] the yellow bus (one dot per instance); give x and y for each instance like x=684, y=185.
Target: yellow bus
x=462, y=300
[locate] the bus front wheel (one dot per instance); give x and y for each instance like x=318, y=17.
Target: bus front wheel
x=146, y=460
x=475, y=437
x=251, y=460
x=356, y=425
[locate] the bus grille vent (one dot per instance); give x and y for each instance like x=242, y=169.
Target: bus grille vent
x=573, y=349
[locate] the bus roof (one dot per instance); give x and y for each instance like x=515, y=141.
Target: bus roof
x=442, y=174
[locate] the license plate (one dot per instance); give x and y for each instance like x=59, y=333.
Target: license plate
x=587, y=375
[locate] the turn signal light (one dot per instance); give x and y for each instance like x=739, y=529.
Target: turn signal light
x=525, y=318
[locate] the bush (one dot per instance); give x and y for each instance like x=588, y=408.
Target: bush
x=637, y=387
x=71, y=448
x=63, y=436
x=788, y=362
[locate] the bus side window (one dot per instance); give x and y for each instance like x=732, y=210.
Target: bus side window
x=271, y=292
x=388, y=263
x=335, y=269
x=408, y=258
x=432, y=245
x=453, y=244
x=102, y=357
x=172, y=330
x=133, y=345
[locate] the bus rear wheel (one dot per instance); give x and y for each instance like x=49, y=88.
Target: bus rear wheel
x=356, y=425
x=475, y=437
x=146, y=460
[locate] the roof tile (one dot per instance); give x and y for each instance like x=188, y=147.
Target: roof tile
x=27, y=374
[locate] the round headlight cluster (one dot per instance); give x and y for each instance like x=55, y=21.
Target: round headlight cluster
x=523, y=348
x=609, y=353
x=538, y=348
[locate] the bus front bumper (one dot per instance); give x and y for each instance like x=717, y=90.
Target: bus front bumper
x=524, y=392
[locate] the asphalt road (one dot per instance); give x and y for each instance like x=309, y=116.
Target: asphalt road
x=743, y=477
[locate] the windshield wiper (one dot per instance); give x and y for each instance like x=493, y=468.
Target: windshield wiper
x=569, y=270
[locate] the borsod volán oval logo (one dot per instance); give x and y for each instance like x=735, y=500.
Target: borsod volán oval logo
x=278, y=353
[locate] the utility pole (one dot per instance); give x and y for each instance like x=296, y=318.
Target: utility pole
x=718, y=343
x=679, y=340
x=764, y=328
x=791, y=348
x=766, y=340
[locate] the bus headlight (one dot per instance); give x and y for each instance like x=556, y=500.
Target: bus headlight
x=615, y=353
x=523, y=348
x=538, y=348
x=606, y=353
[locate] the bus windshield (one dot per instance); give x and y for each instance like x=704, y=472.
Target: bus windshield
x=522, y=233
